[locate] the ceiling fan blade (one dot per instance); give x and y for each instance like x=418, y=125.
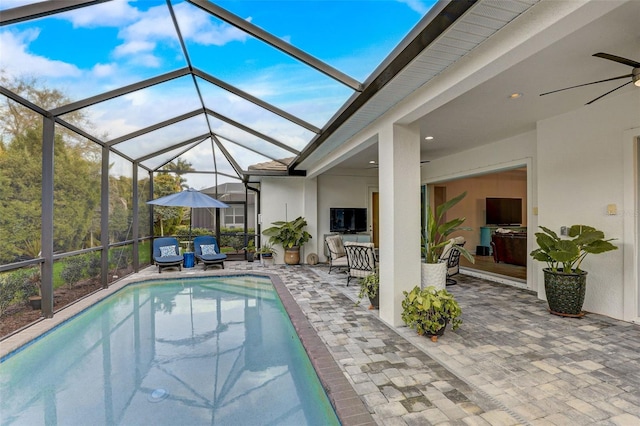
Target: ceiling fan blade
x=602, y=96
x=588, y=84
x=618, y=59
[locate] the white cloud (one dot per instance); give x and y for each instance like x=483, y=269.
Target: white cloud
x=199, y=27
x=416, y=5
x=154, y=24
x=111, y=13
x=134, y=47
x=16, y=60
x=104, y=70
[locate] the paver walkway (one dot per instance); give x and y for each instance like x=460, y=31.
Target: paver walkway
x=510, y=362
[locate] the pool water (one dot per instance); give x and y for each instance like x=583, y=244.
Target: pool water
x=217, y=351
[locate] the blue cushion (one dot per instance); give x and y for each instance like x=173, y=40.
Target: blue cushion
x=212, y=257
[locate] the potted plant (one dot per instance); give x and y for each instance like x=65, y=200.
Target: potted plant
x=436, y=238
x=33, y=288
x=250, y=250
x=291, y=235
x=369, y=286
x=564, y=282
x=429, y=310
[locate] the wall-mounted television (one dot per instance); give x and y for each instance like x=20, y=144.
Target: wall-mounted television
x=504, y=211
x=347, y=219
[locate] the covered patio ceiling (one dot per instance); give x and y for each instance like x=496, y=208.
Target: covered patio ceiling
x=192, y=81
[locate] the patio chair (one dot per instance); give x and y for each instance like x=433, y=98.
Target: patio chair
x=207, y=251
x=361, y=258
x=166, y=253
x=452, y=256
x=337, y=254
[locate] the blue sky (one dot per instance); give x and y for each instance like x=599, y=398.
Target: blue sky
x=90, y=50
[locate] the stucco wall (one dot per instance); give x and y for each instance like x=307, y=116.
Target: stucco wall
x=282, y=199
x=342, y=188
x=580, y=157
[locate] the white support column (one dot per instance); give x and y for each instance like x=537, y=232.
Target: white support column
x=310, y=209
x=399, y=184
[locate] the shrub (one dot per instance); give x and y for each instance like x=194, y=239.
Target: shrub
x=74, y=269
x=17, y=286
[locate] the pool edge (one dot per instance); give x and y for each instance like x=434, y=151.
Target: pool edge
x=347, y=403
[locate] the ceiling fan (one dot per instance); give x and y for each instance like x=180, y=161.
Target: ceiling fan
x=635, y=76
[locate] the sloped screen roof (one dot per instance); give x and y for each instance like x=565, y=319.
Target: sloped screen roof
x=225, y=86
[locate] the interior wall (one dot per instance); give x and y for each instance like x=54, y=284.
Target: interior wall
x=507, y=184
x=342, y=188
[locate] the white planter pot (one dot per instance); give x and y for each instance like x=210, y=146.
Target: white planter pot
x=434, y=274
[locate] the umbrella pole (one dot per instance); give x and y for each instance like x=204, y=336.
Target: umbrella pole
x=190, y=221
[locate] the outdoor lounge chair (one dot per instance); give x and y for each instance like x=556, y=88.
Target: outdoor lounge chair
x=361, y=258
x=166, y=253
x=207, y=251
x=337, y=254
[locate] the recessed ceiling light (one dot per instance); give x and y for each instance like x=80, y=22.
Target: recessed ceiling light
x=372, y=162
x=428, y=138
x=515, y=95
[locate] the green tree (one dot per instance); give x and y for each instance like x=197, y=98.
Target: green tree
x=166, y=219
x=76, y=168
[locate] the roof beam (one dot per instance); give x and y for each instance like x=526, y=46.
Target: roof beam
x=246, y=96
x=249, y=149
x=24, y=102
x=253, y=132
x=228, y=156
x=74, y=106
x=278, y=43
x=154, y=127
x=197, y=139
x=42, y=9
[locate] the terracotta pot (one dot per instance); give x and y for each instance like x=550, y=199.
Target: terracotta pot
x=292, y=255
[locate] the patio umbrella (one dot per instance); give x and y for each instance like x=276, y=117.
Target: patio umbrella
x=189, y=198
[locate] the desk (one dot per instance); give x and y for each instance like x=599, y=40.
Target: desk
x=189, y=259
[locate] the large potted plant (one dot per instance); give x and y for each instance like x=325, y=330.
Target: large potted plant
x=291, y=235
x=564, y=282
x=369, y=287
x=436, y=238
x=429, y=310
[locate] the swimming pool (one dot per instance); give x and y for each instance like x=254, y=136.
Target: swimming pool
x=215, y=350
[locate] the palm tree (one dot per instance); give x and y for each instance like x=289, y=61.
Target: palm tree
x=180, y=167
